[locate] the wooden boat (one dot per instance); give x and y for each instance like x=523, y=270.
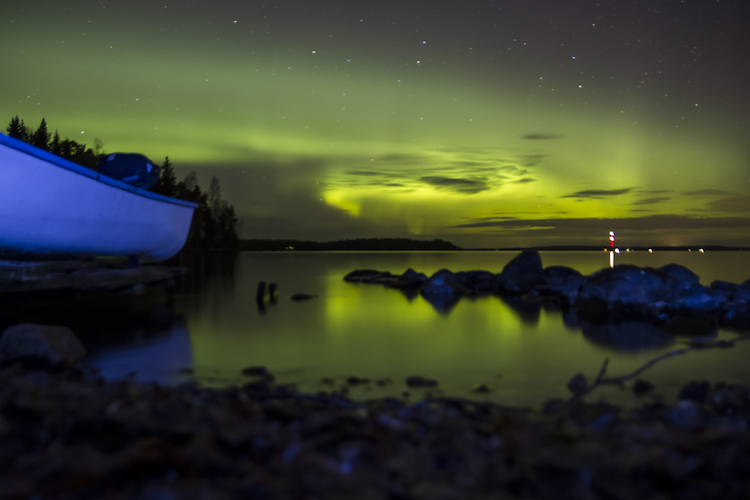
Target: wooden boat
x=49, y=206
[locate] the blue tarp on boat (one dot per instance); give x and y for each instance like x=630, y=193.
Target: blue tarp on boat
x=133, y=168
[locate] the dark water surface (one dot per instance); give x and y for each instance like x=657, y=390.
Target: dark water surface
x=524, y=355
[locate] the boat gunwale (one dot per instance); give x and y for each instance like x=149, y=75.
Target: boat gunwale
x=58, y=161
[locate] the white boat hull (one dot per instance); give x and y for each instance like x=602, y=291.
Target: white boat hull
x=49, y=205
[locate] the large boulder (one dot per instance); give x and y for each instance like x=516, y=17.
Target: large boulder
x=520, y=275
x=410, y=280
x=57, y=345
x=700, y=301
x=626, y=291
x=679, y=281
x=477, y=281
x=443, y=284
x=632, y=292
x=731, y=291
x=555, y=279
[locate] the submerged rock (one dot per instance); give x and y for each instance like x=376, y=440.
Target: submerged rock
x=366, y=275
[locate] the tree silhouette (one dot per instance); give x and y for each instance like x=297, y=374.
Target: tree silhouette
x=215, y=223
x=66, y=148
x=16, y=129
x=214, y=197
x=55, y=147
x=167, y=182
x=41, y=137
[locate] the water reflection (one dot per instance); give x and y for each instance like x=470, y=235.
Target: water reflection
x=525, y=351
x=629, y=336
x=443, y=304
x=207, y=270
x=122, y=334
x=165, y=358
x=527, y=310
x=95, y=318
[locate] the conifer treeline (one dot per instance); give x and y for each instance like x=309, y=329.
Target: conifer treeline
x=66, y=148
x=215, y=223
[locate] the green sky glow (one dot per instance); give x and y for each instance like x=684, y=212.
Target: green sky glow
x=485, y=128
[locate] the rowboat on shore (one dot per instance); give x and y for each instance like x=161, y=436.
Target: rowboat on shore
x=52, y=206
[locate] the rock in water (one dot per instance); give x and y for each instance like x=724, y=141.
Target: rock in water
x=578, y=385
x=419, y=381
x=443, y=284
x=57, y=345
x=520, y=274
x=410, y=280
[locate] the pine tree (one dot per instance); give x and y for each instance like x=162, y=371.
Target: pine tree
x=214, y=197
x=228, y=227
x=167, y=183
x=41, y=137
x=55, y=146
x=17, y=129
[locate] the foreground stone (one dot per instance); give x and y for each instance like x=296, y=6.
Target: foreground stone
x=56, y=345
x=72, y=435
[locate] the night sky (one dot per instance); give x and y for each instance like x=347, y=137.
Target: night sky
x=490, y=124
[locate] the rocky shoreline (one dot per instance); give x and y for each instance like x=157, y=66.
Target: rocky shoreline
x=68, y=433
x=670, y=297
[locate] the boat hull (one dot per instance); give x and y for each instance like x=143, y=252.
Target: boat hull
x=49, y=205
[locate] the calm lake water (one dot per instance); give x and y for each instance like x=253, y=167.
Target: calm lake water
x=210, y=327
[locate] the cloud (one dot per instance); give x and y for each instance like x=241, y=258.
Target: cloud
x=707, y=192
x=733, y=204
x=542, y=137
x=525, y=180
x=651, y=201
x=464, y=186
x=654, y=191
x=598, y=193
x=651, y=222
x=489, y=219
x=532, y=160
x=512, y=170
x=404, y=159
x=371, y=173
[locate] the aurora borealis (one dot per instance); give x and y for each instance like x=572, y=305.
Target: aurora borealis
x=490, y=124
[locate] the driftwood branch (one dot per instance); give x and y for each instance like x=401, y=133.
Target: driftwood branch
x=579, y=387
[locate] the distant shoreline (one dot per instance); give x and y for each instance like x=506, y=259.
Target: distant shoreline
x=378, y=244
x=408, y=244
x=573, y=248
